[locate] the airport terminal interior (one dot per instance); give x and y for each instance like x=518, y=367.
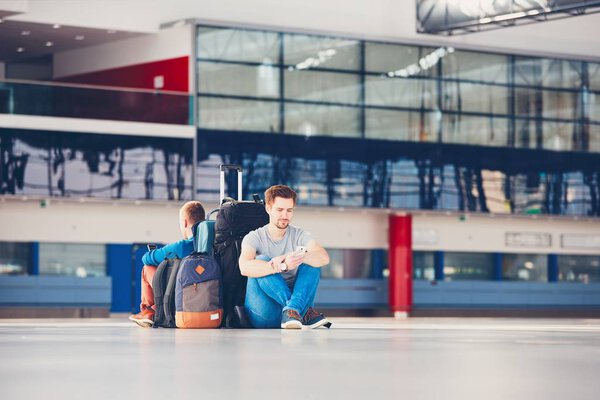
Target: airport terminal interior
x=445, y=154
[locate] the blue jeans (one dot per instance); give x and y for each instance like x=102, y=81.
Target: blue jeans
x=268, y=296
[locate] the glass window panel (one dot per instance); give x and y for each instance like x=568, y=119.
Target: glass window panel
x=584, y=269
x=528, y=102
x=560, y=135
x=71, y=259
x=384, y=58
x=468, y=266
x=238, y=80
x=594, y=106
x=423, y=265
x=594, y=75
x=488, y=131
x=525, y=267
x=304, y=52
x=312, y=119
x=594, y=137
x=322, y=86
x=475, y=66
x=471, y=97
x=401, y=125
x=348, y=264
x=15, y=258
x=560, y=105
x=526, y=133
x=238, y=45
x=561, y=73
x=335, y=269
x=528, y=71
x=400, y=92
x=239, y=115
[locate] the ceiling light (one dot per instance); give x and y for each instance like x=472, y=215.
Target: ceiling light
x=49, y=44
x=25, y=33
x=56, y=26
x=79, y=37
x=20, y=49
x=111, y=31
x=1, y=20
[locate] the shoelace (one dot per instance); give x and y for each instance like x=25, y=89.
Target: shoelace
x=310, y=314
x=293, y=314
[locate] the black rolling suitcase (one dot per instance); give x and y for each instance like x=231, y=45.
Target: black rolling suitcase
x=235, y=218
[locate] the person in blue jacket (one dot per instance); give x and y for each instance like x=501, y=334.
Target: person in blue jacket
x=190, y=214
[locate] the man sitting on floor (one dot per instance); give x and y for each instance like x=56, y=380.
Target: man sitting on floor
x=282, y=263
x=190, y=214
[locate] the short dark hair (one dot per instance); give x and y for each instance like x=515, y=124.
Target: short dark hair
x=193, y=212
x=283, y=191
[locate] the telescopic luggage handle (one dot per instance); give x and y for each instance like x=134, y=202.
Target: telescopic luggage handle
x=224, y=168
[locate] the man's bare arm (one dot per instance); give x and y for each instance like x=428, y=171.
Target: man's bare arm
x=316, y=256
x=253, y=268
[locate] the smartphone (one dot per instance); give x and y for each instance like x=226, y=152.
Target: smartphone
x=300, y=250
x=151, y=246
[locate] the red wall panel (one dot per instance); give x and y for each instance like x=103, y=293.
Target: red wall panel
x=140, y=76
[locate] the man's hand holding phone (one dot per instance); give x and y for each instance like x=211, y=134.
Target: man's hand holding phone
x=293, y=260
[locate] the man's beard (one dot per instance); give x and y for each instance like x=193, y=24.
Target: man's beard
x=282, y=224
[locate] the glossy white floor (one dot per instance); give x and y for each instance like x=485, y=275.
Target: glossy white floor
x=359, y=358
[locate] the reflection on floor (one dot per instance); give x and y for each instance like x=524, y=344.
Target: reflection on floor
x=359, y=358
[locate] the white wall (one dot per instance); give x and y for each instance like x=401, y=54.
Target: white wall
x=165, y=44
x=124, y=15
x=128, y=222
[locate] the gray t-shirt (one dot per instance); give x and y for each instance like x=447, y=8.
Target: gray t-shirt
x=261, y=241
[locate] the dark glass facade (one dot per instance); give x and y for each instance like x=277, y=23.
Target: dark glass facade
x=369, y=124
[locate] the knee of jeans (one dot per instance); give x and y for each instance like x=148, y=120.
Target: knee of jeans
x=310, y=269
x=263, y=258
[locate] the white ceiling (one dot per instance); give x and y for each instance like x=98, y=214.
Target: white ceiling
x=36, y=39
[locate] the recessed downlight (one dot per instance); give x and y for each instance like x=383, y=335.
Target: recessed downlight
x=56, y=26
x=25, y=33
x=20, y=49
x=79, y=37
x=49, y=44
x=111, y=31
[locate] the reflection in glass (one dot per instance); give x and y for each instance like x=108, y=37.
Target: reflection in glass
x=561, y=73
x=239, y=115
x=311, y=120
x=400, y=92
x=423, y=265
x=401, y=125
x=476, y=66
x=15, y=258
x=95, y=165
x=348, y=264
x=384, y=58
x=525, y=267
x=305, y=52
x=575, y=268
x=81, y=260
x=488, y=131
x=594, y=75
x=560, y=104
x=468, y=266
x=560, y=136
x=238, y=80
x=237, y=45
x=322, y=87
x=471, y=97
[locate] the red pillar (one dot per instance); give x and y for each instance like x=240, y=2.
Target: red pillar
x=400, y=264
